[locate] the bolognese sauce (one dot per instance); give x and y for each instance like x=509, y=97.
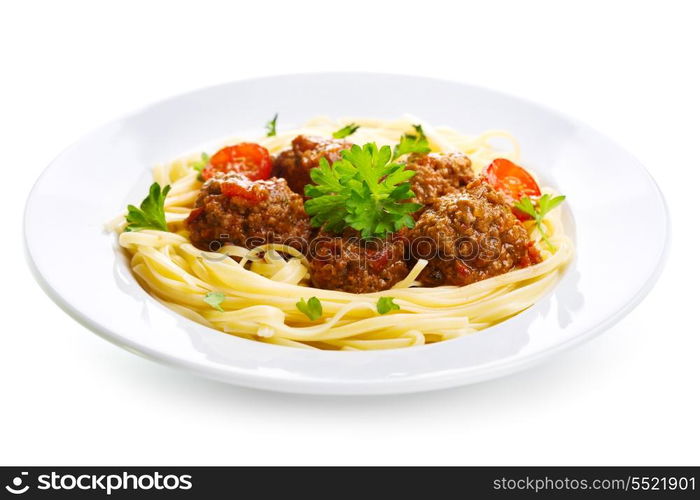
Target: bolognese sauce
x=295, y=164
x=470, y=236
x=438, y=174
x=352, y=264
x=233, y=209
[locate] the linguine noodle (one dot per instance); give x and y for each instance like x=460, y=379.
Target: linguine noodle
x=262, y=287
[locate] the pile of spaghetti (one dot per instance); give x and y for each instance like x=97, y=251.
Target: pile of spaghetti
x=258, y=290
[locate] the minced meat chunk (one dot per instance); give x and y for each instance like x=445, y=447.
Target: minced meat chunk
x=294, y=164
x=356, y=265
x=438, y=174
x=233, y=209
x=469, y=236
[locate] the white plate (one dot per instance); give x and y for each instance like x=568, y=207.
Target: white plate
x=615, y=213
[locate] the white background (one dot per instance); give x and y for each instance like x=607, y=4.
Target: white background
x=629, y=69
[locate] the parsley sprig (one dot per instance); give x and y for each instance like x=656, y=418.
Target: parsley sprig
x=387, y=304
x=346, y=131
x=312, y=308
x=271, y=126
x=215, y=299
x=412, y=143
x=151, y=213
x=364, y=190
x=200, y=164
x=545, y=204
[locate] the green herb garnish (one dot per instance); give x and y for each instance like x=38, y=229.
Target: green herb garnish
x=346, y=131
x=412, y=143
x=313, y=308
x=386, y=304
x=364, y=191
x=544, y=205
x=200, y=164
x=215, y=299
x=151, y=214
x=271, y=126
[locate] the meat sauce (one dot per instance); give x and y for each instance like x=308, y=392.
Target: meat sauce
x=233, y=209
x=294, y=164
x=438, y=175
x=351, y=264
x=469, y=236
x=466, y=230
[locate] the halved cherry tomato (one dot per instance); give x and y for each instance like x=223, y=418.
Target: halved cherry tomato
x=247, y=158
x=240, y=187
x=512, y=181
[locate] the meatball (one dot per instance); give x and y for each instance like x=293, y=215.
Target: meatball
x=469, y=236
x=306, y=152
x=438, y=174
x=356, y=265
x=233, y=209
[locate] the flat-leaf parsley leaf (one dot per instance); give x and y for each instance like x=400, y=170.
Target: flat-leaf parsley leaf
x=312, y=308
x=200, y=164
x=412, y=143
x=364, y=190
x=151, y=214
x=346, y=131
x=545, y=204
x=271, y=126
x=386, y=304
x=215, y=299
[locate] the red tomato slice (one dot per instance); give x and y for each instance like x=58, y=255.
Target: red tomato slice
x=247, y=158
x=512, y=181
x=239, y=187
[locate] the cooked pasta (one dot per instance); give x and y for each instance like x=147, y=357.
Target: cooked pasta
x=262, y=286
